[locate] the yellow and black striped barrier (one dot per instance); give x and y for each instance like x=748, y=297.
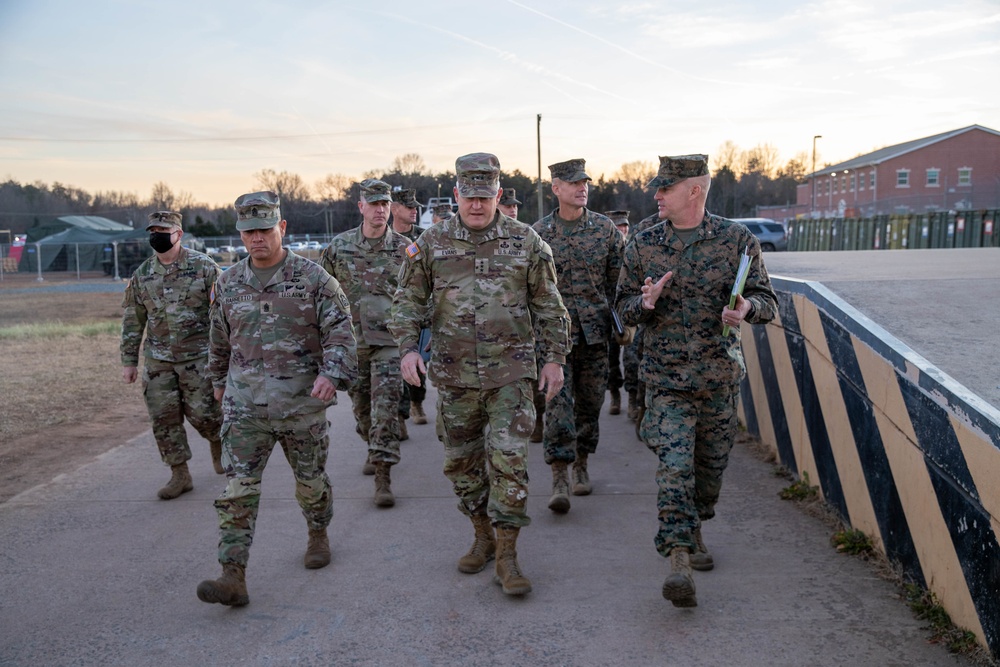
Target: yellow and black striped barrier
x=902, y=451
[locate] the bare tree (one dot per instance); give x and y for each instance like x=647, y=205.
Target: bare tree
x=761, y=159
x=333, y=187
x=289, y=187
x=162, y=198
x=635, y=174
x=728, y=157
x=409, y=164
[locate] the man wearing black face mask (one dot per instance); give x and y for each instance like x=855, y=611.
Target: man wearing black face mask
x=168, y=298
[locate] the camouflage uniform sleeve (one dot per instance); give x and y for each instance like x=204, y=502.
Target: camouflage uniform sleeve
x=758, y=290
x=219, y=347
x=133, y=324
x=328, y=258
x=628, y=301
x=410, y=304
x=551, y=319
x=614, y=267
x=340, y=353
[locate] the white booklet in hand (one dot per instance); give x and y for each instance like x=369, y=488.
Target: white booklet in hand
x=741, y=281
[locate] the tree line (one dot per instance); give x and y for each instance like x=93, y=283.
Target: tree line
x=741, y=181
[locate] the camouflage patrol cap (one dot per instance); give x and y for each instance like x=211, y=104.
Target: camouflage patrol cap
x=443, y=210
x=407, y=198
x=618, y=217
x=509, y=197
x=478, y=175
x=257, y=210
x=677, y=168
x=373, y=190
x=570, y=171
x=164, y=219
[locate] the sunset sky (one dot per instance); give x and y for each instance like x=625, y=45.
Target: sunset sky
x=121, y=94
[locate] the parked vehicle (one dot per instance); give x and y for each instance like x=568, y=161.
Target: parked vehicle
x=771, y=234
x=427, y=217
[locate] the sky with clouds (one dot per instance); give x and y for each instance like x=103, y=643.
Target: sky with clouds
x=122, y=94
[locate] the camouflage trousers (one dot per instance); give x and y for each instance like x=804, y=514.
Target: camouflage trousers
x=485, y=435
x=375, y=400
x=246, y=447
x=571, y=417
x=615, y=380
x=630, y=363
x=173, y=392
x=691, y=433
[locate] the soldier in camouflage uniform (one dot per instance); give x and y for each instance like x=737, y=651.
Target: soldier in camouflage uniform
x=633, y=351
x=168, y=298
x=281, y=347
x=508, y=203
x=440, y=213
x=405, y=212
x=485, y=277
x=588, y=253
x=615, y=379
x=366, y=261
x=676, y=281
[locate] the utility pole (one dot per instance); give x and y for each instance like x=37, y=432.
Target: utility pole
x=812, y=212
x=541, y=211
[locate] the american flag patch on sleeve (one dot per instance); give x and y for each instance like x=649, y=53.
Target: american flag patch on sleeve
x=412, y=250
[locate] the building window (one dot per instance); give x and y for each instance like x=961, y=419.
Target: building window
x=965, y=176
x=871, y=180
x=933, y=178
x=854, y=181
x=843, y=183
x=861, y=181
x=902, y=178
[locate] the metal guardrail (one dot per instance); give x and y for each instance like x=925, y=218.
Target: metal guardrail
x=940, y=229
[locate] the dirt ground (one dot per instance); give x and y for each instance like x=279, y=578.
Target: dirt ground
x=62, y=399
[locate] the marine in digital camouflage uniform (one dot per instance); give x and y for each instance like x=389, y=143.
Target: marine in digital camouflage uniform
x=633, y=351
x=405, y=213
x=485, y=278
x=676, y=281
x=168, y=298
x=365, y=261
x=587, y=249
x=615, y=379
x=281, y=346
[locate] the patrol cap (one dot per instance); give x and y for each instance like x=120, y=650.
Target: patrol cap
x=618, y=217
x=164, y=219
x=509, y=197
x=407, y=198
x=443, y=210
x=257, y=210
x=677, y=168
x=478, y=175
x=373, y=190
x=570, y=171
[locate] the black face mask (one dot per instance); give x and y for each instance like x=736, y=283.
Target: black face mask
x=161, y=241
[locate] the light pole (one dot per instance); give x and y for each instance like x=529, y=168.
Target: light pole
x=812, y=213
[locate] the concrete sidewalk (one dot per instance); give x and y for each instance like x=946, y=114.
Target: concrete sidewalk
x=94, y=570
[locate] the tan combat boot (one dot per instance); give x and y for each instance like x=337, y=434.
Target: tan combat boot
x=616, y=402
x=215, y=446
x=581, y=479
x=369, y=467
x=537, y=434
x=180, y=482
x=679, y=584
x=508, y=572
x=483, y=547
x=318, y=550
x=403, y=433
x=383, y=489
x=417, y=412
x=633, y=406
x=229, y=589
x=559, y=502
x=701, y=559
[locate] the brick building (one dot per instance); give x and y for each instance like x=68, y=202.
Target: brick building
x=957, y=170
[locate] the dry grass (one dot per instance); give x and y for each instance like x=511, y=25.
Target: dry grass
x=62, y=398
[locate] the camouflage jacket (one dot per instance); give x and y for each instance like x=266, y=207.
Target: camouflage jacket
x=413, y=234
x=588, y=257
x=269, y=343
x=485, y=288
x=368, y=276
x=682, y=336
x=642, y=226
x=171, y=304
